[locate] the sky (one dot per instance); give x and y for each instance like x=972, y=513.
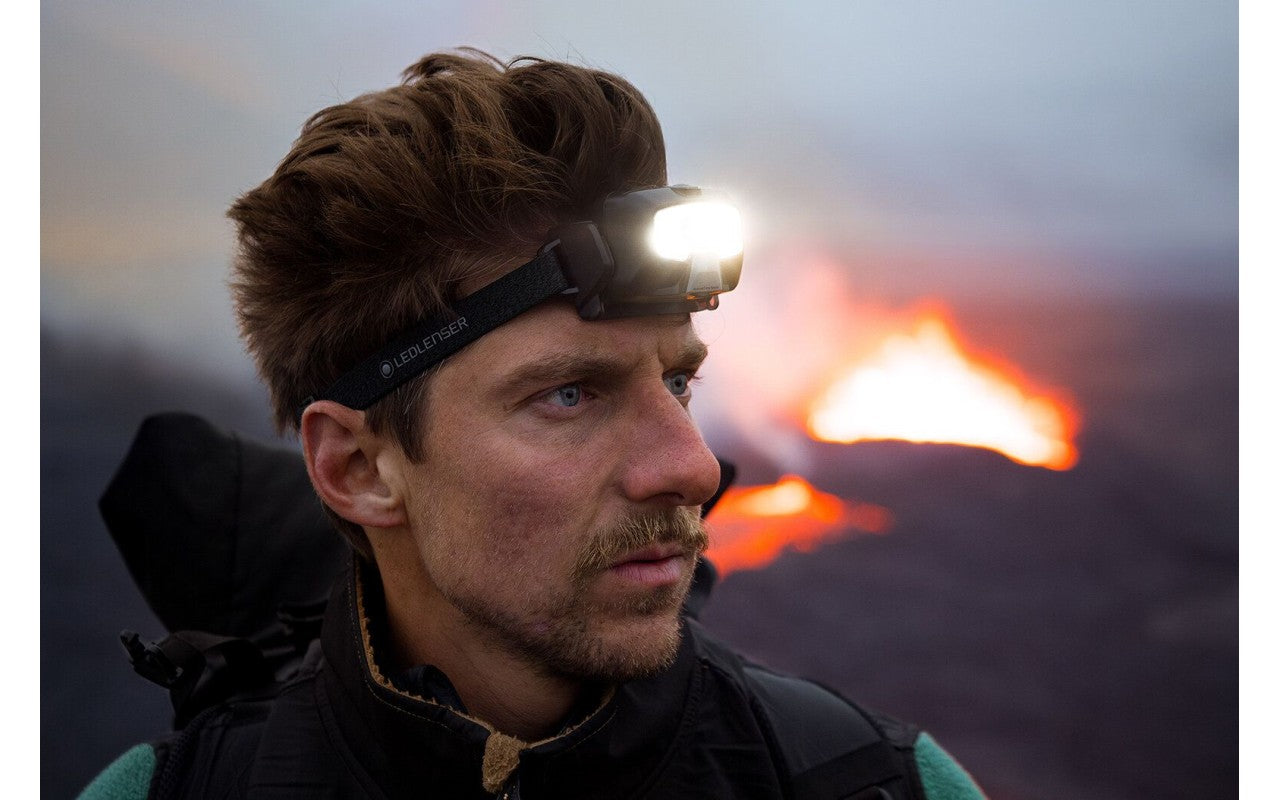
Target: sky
x=961, y=150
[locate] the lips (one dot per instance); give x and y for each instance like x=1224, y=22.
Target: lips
x=650, y=567
x=651, y=553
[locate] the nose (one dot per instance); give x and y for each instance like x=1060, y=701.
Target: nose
x=667, y=462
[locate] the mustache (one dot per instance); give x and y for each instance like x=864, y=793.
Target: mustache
x=681, y=525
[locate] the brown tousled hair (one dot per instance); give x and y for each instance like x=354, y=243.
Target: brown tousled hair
x=388, y=205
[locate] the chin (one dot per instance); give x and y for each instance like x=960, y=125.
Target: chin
x=628, y=650
x=604, y=639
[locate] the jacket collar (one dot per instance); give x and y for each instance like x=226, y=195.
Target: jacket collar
x=407, y=742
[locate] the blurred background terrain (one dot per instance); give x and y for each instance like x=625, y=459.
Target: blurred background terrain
x=1058, y=178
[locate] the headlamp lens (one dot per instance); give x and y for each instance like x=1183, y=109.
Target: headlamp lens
x=705, y=226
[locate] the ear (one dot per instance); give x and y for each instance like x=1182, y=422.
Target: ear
x=348, y=465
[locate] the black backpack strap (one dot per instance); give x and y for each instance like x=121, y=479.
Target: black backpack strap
x=273, y=744
x=830, y=747
x=212, y=755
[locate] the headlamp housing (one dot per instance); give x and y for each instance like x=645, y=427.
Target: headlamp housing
x=653, y=251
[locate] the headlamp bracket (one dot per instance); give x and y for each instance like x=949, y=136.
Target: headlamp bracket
x=586, y=262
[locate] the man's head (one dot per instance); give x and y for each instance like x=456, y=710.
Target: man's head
x=539, y=487
x=393, y=205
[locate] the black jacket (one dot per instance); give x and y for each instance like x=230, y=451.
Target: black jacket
x=188, y=508
x=709, y=726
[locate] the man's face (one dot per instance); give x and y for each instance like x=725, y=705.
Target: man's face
x=555, y=510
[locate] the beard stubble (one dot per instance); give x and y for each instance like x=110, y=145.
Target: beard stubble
x=567, y=634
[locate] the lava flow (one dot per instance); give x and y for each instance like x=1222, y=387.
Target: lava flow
x=751, y=526
x=924, y=388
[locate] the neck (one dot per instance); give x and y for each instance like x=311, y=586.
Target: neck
x=501, y=689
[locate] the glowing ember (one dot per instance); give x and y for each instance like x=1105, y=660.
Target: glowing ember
x=751, y=526
x=924, y=388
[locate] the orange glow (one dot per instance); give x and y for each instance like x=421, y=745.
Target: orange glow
x=751, y=526
x=923, y=387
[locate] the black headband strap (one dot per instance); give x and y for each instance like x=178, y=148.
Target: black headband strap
x=430, y=342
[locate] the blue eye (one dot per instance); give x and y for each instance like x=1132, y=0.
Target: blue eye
x=568, y=395
x=678, y=383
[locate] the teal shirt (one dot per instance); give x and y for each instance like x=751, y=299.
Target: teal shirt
x=941, y=776
x=129, y=776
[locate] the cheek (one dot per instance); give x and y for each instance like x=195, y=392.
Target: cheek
x=536, y=485
x=518, y=499
x=516, y=512
x=538, y=524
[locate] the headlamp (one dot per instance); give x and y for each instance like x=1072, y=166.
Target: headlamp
x=653, y=251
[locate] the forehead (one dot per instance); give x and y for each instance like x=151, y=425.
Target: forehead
x=553, y=331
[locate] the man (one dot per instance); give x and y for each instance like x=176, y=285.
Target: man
x=443, y=287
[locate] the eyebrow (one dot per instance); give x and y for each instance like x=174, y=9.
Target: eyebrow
x=569, y=366
x=692, y=352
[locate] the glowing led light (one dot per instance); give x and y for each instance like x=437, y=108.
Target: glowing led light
x=700, y=227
